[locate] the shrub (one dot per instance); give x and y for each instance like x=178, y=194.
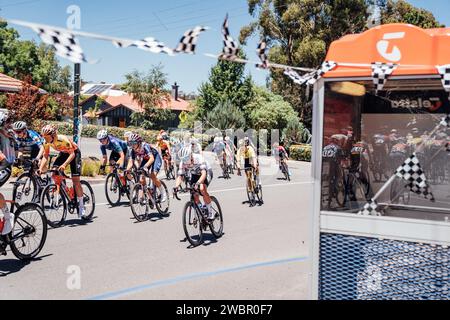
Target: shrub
x=301, y=152
x=90, y=167
x=90, y=131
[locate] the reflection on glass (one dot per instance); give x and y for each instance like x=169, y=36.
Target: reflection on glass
x=368, y=137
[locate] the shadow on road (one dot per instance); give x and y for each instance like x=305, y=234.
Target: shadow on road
x=11, y=266
x=208, y=239
x=75, y=223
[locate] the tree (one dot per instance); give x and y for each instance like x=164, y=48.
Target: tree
x=148, y=90
x=225, y=116
x=269, y=111
x=227, y=82
x=403, y=12
x=28, y=103
x=22, y=59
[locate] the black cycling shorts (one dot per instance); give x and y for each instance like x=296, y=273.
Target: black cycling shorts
x=75, y=165
x=196, y=177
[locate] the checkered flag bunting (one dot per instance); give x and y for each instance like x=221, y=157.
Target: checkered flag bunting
x=188, y=42
x=370, y=209
x=230, y=47
x=65, y=43
x=298, y=79
x=444, y=71
x=152, y=45
x=380, y=73
x=412, y=172
x=425, y=191
x=261, y=51
x=327, y=66
x=446, y=121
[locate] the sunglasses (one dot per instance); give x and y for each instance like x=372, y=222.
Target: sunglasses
x=19, y=132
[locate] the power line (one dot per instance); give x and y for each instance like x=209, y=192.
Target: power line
x=18, y=3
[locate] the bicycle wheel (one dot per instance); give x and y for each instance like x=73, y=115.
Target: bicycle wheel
x=30, y=232
x=216, y=225
x=27, y=190
x=192, y=225
x=112, y=190
x=358, y=194
x=139, y=203
x=130, y=186
x=339, y=192
x=285, y=172
x=54, y=205
x=89, y=200
x=162, y=206
x=259, y=194
x=251, y=194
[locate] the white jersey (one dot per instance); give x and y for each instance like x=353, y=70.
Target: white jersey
x=7, y=147
x=195, y=167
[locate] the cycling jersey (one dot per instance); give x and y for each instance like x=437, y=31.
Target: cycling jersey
x=379, y=139
x=333, y=152
x=145, y=153
x=281, y=152
x=246, y=153
x=219, y=147
x=115, y=145
x=61, y=144
x=400, y=148
x=32, y=141
x=194, y=169
x=163, y=145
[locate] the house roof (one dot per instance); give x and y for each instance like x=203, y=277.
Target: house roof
x=128, y=102
x=8, y=84
x=417, y=51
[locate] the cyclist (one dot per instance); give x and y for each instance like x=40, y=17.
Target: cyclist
x=119, y=150
x=69, y=155
x=164, y=148
x=200, y=172
x=29, y=143
x=196, y=146
x=399, y=153
x=6, y=217
x=148, y=159
x=282, y=156
x=232, y=149
x=219, y=149
x=248, y=153
x=380, y=153
x=7, y=138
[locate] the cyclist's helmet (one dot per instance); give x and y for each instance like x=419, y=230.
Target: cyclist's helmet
x=227, y=139
x=135, y=139
x=185, y=154
x=247, y=141
x=102, y=135
x=127, y=134
x=19, y=126
x=3, y=119
x=194, y=141
x=49, y=130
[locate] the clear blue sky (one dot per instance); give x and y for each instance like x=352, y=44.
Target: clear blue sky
x=164, y=20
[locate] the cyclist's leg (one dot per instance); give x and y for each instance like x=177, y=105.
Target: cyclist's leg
x=6, y=217
x=75, y=169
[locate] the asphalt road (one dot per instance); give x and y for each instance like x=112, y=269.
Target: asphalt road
x=262, y=255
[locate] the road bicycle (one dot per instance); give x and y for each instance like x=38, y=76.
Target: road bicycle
x=29, y=234
x=148, y=197
x=119, y=184
x=31, y=185
x=333, y=188
x=58, y=199
x=285, y=170
x=195, y=218
x=254, y=191
x=169, y=169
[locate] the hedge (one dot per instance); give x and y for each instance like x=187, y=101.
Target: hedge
x=301, y=152
x=90, y=131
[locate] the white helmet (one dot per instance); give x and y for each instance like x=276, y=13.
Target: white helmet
x=127, y=134
x=194, y=141
x=19, y=126
x=102, y=134
x=185, y=154
x=227, y=139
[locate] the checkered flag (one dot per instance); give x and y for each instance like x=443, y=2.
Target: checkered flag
x=188, y=42
x=65, y=43
x=446, y=121
x=444, y=71
x=152, y=45
x=412, y=172
x=424, y=191
x=370, y=209
x=327, y=66
x=298, y=79
x=230, y=47
x=261, y=51
x=380, y=73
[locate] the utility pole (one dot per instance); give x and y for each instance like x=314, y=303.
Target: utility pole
x=76, y=107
